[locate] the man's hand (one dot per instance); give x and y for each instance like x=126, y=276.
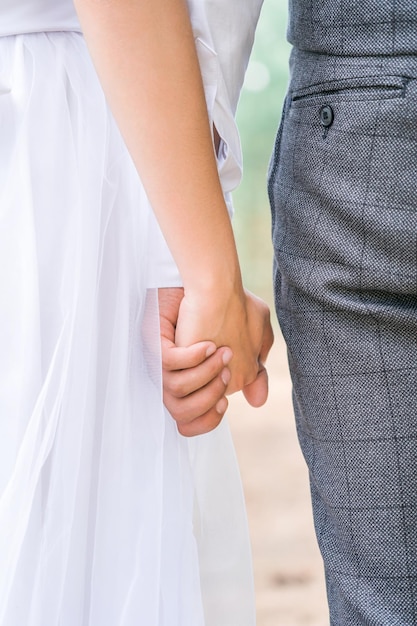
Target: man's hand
x=195, y=378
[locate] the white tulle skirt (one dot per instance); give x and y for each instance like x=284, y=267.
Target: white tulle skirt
x=108, y=517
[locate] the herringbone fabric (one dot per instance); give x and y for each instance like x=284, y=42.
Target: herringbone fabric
x=353, y=27
x=343, y=187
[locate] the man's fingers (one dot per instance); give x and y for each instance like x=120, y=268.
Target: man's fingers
x=195, y=377
x=205, y=423
x=201, y=411
x=189, y=370
x=195, y=405
x=185, y=383
x=180, y=358
x=175, y=358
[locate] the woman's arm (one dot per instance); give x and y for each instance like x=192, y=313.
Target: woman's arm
x=145, y=56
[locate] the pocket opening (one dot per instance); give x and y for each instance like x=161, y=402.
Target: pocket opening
x=384, y=87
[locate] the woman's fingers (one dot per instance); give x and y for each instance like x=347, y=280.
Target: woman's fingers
x=256, y=393
x=267, y=340
x=197, y=377
x=255, y=341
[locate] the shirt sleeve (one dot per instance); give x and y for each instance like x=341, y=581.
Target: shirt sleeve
x=224, y=32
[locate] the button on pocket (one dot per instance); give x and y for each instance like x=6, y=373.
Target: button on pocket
x=326, y=116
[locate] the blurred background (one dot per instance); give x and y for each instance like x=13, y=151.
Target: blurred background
x=258, y=117
x=289, y=581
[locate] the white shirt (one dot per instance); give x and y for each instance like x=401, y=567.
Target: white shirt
x=224, y=32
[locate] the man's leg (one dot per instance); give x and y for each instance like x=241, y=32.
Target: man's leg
x=344, y=199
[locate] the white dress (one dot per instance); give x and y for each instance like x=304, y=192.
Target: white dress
x=108, y=517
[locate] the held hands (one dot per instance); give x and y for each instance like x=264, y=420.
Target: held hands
x=196, y=375
x=167, y=132
x=194, y=378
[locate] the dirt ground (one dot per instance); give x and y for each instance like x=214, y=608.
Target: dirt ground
x=289, y=580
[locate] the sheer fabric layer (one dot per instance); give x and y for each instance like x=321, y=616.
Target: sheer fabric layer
x=97, y=489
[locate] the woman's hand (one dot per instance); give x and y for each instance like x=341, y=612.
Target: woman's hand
x=146, y=58
x=196, y=378
x=239, y=320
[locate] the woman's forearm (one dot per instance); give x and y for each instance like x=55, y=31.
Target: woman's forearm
x=146, y=59
x=145, y=56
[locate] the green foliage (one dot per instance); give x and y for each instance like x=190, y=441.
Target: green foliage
x=258, y=118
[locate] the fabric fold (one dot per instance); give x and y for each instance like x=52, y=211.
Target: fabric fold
x=97, y=488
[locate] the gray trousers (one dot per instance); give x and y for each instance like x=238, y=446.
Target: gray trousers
x=343, y=190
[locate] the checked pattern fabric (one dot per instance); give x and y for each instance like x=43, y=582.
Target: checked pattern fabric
x=343, y=190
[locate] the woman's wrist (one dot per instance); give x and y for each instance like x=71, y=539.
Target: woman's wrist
x=220, y=278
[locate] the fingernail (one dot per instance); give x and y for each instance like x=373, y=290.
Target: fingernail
x=211, y=350
x=225, y=376
x=221, y=406
x=227, y=356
